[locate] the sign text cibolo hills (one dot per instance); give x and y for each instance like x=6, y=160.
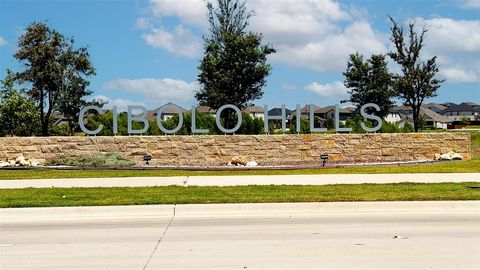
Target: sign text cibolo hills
x=283, y=117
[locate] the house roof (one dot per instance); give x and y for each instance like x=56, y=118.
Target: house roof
x=431, y=115
x=437, y=106
x=463, y=107
x=152, y=115
x=205, y=109
x=306, y=108
x=278, y=111
x=424, y=111
x=448, y=104
x=254, y=109
x=329, y=108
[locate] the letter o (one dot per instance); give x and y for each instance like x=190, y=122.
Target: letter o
x=239, y=117
x=180, y=119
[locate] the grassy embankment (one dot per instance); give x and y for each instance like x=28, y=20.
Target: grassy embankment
x=51, y=197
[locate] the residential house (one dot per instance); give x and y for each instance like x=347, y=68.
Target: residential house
x=329, y=112
x=458, y=112
x=431, y=118
x=448, y=104
x=438, y=108
x=394, y=117
x=474, y=105
x=255, y=112
x=206, y=110
x=166, y=114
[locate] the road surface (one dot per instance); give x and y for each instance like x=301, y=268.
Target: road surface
x=380, y=235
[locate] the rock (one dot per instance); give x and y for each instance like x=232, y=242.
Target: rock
x=447, y=156
x=4, y=164
x=251, y=164
x=11, y=162
x=456, y=156
x=33, y=162
x=21, y=161
x=437, y=156
x=239, y=160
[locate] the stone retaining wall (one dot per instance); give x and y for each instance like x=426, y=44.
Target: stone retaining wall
x=265, y=149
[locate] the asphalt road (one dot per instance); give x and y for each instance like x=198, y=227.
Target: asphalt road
x=383, y=235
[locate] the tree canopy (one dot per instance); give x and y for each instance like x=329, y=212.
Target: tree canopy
x=55, y=71
x=417, y=80
x=234, y=67
x=369, y=82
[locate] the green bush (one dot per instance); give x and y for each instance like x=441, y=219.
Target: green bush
x=110, y=159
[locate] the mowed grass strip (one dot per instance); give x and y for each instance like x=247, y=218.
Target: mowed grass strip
x=53, y=197
x=471, y=166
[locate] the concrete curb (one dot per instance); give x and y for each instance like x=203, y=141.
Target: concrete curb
x=99, y=213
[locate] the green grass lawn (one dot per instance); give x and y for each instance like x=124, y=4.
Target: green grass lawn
x=51, y=197
x=443, y=167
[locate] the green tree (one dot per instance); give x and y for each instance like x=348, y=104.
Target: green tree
x=304, y=125
x=54, y=69
x=465, y=120
x=369, y=82
x=250, y=125
x=72, y=101
x=233, y=69
x=18, y=115
x=417, y=80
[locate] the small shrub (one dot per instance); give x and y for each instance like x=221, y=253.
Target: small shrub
x=110, y=159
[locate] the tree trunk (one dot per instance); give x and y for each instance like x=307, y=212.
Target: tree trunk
x=44, y=128
x=416, y=124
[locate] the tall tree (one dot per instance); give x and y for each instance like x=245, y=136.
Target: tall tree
x=417, y=80
x=53, y=68
x=234, y=67
x=18, y=115
x=72, y=101
x=369, y=82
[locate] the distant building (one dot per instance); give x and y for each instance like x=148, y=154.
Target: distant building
x=463, y=110
x=166, y=114
x=206, y=109
x=438, y=108
x=404, y=114
x=329, y=112
x=255, y=112
x=448, y=104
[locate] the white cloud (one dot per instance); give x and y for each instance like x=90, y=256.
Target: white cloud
x=316, y=34
x=191, y=12
x=320, y=34
x=334, y=89
x=156, y=91
x=288, y=87
x=460, y=74
x=180, y=41
x=2, y=41
x=330, y=52
x=121, y=104
x=456, y=43
x=143, y=23
x=470, y=4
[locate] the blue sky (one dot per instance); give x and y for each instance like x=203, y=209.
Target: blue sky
x=147, y=52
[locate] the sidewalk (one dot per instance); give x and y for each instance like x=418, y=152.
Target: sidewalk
x=323, y=179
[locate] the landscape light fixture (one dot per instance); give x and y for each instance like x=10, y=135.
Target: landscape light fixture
x=147, y=158
x=324, y=158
